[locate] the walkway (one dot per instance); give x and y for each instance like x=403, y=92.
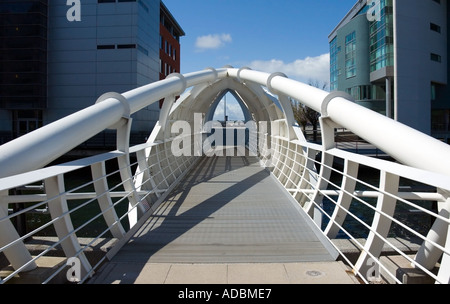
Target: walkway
x=229, y=221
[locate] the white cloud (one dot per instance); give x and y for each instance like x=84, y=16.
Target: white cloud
x=210, y=42
x=311, y=68
x=234, y=111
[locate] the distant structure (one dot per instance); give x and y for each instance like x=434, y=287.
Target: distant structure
x=392, y=57
x=51, y=66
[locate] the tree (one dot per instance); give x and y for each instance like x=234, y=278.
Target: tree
x=311, y=115
x=299, y=114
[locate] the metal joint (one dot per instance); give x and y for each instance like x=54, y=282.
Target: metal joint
x=183, y=81
x=216, y=75
x=271, y=77
x=331, y=96
x=119, y=97
x=239, y=73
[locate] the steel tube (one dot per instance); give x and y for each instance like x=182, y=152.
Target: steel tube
x=40, y=147
x=405, y=144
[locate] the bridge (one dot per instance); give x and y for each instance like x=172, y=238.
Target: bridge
x=236, y=199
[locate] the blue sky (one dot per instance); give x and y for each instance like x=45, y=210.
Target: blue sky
x=289, y=36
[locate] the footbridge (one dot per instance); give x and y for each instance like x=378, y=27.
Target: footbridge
x=235, y=198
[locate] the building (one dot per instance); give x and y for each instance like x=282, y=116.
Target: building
x=393, y=58
x=169, y=44
x=53, y=65
x=23, y=66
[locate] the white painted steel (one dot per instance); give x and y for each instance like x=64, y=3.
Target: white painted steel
x=129, y=194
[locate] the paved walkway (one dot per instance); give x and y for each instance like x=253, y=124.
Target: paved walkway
x=229, y=221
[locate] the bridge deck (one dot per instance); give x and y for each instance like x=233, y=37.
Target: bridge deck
x=227, y=210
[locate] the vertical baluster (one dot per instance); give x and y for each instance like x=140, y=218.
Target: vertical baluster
x=17, y=254
x=145, y=175
x=381, y=223
x=57, y=205
x=344, y=200
x=309, y=177
x=444, y=270
x=317, y=198
x=136, y=207
x=104, y=200
x=428, y=254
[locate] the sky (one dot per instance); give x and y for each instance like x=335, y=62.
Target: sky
x=288, y=36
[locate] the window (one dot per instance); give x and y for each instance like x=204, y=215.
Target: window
x=350, y=55
x=106, y=47
x=435, y=57
x=333, y=65
x=126, y=46
x=382, y=38
x=434, y=27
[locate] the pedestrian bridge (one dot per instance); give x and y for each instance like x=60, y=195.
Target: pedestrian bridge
x=234, y=195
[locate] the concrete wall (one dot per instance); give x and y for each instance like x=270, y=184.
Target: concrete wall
x=414, y=42
x=360, y=25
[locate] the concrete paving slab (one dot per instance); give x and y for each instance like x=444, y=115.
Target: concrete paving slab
x=197, y=274
x=234, y=274
x=257, y=274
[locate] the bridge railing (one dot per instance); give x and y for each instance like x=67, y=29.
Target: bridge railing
x=146, y=173
x=82, y=212
x=375, y=205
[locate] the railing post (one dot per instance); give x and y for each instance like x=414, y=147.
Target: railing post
x=309, y=177
x=322, y=184
x=143, y=174
x=428, y=254
x=136, y=207
x=57, y=205
x=444, y=269
x=104, y=200
x=381, y=223
x=17, y=254
x=344, y=200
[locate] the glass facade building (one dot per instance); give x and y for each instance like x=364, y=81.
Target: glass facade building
x=393, y=59
x=52, y=66
x=23, y=63
x=382, y=38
